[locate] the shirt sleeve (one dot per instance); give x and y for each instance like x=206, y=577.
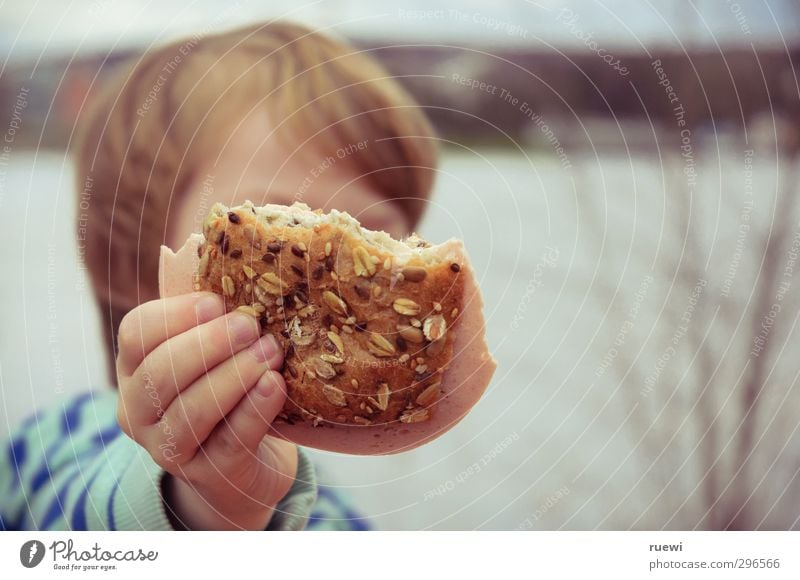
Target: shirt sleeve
x=73, y=469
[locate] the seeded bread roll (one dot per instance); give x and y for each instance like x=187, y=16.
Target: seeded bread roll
x=368, y=324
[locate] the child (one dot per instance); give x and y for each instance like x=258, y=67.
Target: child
x=274, y=113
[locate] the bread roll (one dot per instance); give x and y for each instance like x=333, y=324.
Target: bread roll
x=383, y=339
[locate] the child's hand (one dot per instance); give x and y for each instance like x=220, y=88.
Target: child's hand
x=199, y=391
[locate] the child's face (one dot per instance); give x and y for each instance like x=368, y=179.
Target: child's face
x=250, y=166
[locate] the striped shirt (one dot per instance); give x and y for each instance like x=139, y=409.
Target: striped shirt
x=72, y=468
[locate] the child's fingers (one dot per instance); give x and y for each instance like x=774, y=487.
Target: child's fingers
x=177, y=363
x=197, y=411
x=245, y=427
x=150, y=324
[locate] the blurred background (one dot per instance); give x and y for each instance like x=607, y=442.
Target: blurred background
x=626, y=183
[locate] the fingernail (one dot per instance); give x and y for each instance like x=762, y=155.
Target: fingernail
x=265, y=349
x=242, y=328
x=266, y=384
x=208, y=308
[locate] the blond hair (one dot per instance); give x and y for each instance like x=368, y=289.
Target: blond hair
x=141, y=141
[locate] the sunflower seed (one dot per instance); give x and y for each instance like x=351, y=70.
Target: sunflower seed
x=328, y=248
x=435, y=327
x=228, y=286
x=382, y=398
x=429, y=395
x=387, y=264
x=306, y=311
x=415, y=416
x=335, y=396
x=249, y=310
x=263, y=297
x=258, y=307
x=336, y=340
x=361, y=420
x=249, y=272
x=362, y=262
x=329, y=358
x=335, y=303
x=405, y=358
x=406, y=307
x=410, y=333
x=414, y=274
x=271, y=283
x=379, y=345
x=323, y=368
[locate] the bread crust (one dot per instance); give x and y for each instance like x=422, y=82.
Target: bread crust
x=367, y=332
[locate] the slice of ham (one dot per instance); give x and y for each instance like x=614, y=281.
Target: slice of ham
x=463, y=382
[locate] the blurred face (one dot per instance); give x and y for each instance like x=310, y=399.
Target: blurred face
x=251, y=166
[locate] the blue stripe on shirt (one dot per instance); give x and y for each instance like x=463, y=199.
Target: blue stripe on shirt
x=112, y=524
x=72, y=414
x=79, y=511
x=42, y=474
x=56, y=508
x=17, y=453
x=106, y=436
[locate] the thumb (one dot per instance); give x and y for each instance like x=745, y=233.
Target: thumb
x=244, y=427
